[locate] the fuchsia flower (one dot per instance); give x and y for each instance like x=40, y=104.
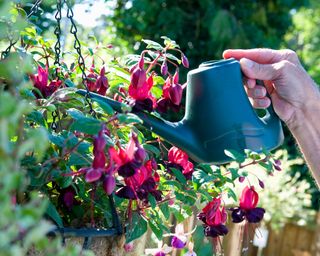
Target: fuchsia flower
x=98, y=170
x=180, y=160
x=98, y=84
x=141, y=184
x=171, y=94
x=214, y=217
x=140, y=86
x=40, y=81
x=129, y=160
x=247, y=207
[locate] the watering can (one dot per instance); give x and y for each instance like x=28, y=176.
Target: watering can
x=218, y=116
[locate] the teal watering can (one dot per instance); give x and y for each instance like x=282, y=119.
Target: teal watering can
x=218, y=116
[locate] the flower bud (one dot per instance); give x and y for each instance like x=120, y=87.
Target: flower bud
x=99, y=160
x=141, y=62
x=140, y=154
x=176, y=94
x=241, y=179
x=128, y=247
x=261, y=184
x=185, y=61
x=109, y=183
x=164, y=68
x=176, y=77
x=138, y=77
x=93, y=175
x=277, y=162
x=277, y=167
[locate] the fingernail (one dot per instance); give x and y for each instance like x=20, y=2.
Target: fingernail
x=258, y=93
x=263, y=102
x=247, y=63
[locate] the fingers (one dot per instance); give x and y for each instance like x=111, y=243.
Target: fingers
x=261, y=103
x=262, y=55
x=257, y=92
x=254, y=70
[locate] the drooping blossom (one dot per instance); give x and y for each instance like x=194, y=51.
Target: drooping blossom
x=214, y=217
x=40, y=81
x=171, y=95
x=162, y=250
x=180, y=160
x=91, y=79
x=127, y=161
x=247, y=209
x=140, y=85
x=99, y=171
x=141, y=184
x=95, y=83
x=67, y=197
x=128, y=247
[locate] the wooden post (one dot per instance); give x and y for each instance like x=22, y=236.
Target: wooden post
x=316, y=241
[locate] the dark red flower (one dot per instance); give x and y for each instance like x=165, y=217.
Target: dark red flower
x=214, y=217
x=247, y=207
x=181, y=158
x=102, y=83
x=40, y=81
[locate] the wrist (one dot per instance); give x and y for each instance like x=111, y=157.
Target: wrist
x=308, y=113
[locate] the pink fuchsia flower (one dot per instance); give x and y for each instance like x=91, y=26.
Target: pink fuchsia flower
x=179, y=238
x=40, y=81
x=140, y=86
x=128, y=160
x=128, y=247
x=91, y=79
x=102, y=83
x=180, y=160
x=247, y=207
x=214, y=217
x=141, y=184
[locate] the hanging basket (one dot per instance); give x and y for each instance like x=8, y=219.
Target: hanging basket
x=103, y=242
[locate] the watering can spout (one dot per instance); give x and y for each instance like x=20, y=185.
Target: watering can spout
x=177, y=133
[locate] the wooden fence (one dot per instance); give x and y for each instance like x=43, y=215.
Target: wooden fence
x=292, y=240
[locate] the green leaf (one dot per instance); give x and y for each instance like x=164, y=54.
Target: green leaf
x=105, y=106
x=234, y=173
x=152, y=201
x=129, y=118
x=53, y=214
x=238, y=157
x=156, y=229
x=152, y=45
x=172, y=57
x=86, y=125
x=37, y=117
x=232, y=195
x=138, y=227
x=178, y=174
x=69, y=83
x=164, y=207
x=75, y=113
x=173, y=183
x=152, y=149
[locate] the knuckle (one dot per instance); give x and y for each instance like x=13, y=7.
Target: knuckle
x=290, y=55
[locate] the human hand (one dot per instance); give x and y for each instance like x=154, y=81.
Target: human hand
x=288, y=84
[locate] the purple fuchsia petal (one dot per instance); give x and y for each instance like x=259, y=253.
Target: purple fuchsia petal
x=160, y=253
x=214, y=231
x=255, y=215
x=126, y=192
x=176, y=242
x=127, y=170
x=145, y=104
x=237, y=215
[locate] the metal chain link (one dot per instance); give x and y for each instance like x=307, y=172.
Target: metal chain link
x=34, y=9
x=81, y=63
x=57, y=32
x=54, y=125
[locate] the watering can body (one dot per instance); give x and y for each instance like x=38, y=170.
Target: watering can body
x=218, y=116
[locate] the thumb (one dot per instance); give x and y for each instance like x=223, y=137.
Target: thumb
x=255, y=70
